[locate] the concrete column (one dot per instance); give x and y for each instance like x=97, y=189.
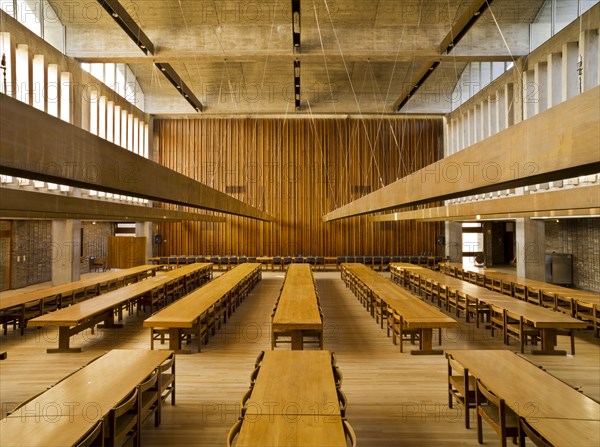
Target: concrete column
x=66, y=249
x=453, y=236
x=144, y=229
x=530, y=237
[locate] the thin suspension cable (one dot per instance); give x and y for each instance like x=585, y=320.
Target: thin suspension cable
x=353, y=91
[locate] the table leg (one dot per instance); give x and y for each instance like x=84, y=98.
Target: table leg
x=427, y=344
x=64, y=334
x=175, y=341
x=109, y=322
x=297, y=343
x=549, y=343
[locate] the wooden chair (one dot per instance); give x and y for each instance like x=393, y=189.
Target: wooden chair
x=381, y=310
x=534, y=296
x=461, y=386
x=245, y=399
x=234, y=431
x=516, y=327
x=525, y=430
x=400, y=330
x=259, y=359
x=520, y=291
x=19, y=316
x=548, y=299
x=338, y=377
x=123, y=422
x=149, y=399
x=589, y=313
x=479, y=309
x=497, y=321
x=94, y=437
x=349, y=432
x=494, y=411
x=166, y=381
x=566, y=304
x=343, y=402
x=254, y=376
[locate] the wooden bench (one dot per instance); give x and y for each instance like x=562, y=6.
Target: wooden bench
x=87, y=314
x=17, y=309
x=277, y=413
x=476, y=298
x=558, y=412
x=383, y=297
x=297, y=313
x=66, y=412
x=200, y=311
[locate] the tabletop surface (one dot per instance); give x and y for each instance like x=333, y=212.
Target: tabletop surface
x=72, y=315
x=294, y=382
x=185, y=311
x=291, y=431
x=415, y=312
x=528, y=390
x=64, y=413
x=568, y=432
x=47, y=292
x=298, y=307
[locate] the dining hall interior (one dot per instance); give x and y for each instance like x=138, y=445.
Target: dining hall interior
x=315, y=223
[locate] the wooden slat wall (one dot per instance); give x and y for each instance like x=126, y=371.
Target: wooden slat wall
x=298, y=170
x=126, y=252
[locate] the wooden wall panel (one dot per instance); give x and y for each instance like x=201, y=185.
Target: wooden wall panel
x=126, y=252
x=297, y=171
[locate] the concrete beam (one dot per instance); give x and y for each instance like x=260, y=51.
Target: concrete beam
x=38, y=146
x=22, y=204
x=559, y=143
x=564, y=202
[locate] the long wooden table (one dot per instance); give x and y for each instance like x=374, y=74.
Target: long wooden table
x=562, y=298
x=187, y=312
x=548, y=321
x=63, y=414
x=78, y=317
x=416, y=313
x=559, y=413
x=298, y=308
x=294, y=402
x=68, y=293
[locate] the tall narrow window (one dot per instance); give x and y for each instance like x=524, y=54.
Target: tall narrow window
x=110, y=121
x=94, y=112
x=29, y=14
x=124, y=129
x=39, y=82
x=136, y=136
x=117, y=139
x=52, y=90
x=65, y=96
x=6, y=73
x=102, y=117
x=146, y=142
x=130, y=132
x=22, y=72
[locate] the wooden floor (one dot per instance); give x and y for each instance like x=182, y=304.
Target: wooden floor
x=393, y=399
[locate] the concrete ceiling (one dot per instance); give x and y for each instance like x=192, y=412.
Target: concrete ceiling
x=357, y=56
